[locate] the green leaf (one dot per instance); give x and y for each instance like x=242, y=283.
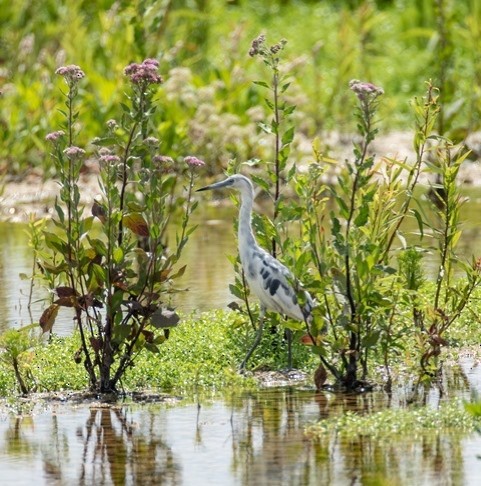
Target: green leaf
x=118, y=255
x=55, y=242
x=419, y=219
x=261, y=83
x=363, y=216
x=265, y=128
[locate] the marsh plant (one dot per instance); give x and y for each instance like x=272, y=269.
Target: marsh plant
x=362, y=291
x=345, y=239
x=17, y=347
x=110, y=263
x=274, y=175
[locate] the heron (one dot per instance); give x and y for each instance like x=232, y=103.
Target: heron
x=268, y=279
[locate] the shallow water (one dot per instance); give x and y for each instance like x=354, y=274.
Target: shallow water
x=247, y=439
x=208, y=272
x=243, y=439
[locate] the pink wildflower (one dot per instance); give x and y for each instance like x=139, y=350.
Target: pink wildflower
x=151, y=141
x=109, y=159
x=71, y=73
x=365, y=90
x=74, y=152
x=192, y=161
x=163, y=159
x=54, y=136
x=145, y=73
x=257, y=45
x=112, y=124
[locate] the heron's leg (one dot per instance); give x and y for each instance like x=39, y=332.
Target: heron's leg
x=289, y=349
x=257, y=340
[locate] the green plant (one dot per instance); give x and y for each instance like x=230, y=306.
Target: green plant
x=17, y=346
x=113, y=267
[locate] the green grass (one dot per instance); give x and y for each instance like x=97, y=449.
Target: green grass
x=394, y=44
x=202, y=354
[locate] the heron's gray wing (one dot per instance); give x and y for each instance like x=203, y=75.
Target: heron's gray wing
x=271, y=281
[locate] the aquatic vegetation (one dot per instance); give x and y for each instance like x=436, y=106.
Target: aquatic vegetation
x=408, y=423
x=200, y=356
x=17, y=347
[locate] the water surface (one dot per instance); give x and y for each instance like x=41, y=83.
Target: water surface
x=242, y=439
x=208, y=272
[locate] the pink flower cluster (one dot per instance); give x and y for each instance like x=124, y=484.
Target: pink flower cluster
x=163, y=159
x=192, y=161
x=71, y=73
x=257, y=45
x=110, y=159
x=54, y=136
x=145, y=73
x=365, y=90
x=74, y=152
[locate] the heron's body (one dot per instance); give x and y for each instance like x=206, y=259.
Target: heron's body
x=268, y=279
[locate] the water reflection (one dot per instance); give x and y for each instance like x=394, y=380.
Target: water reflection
x=207, y=278
x=244, y=439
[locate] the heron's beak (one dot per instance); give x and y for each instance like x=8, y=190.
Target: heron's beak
x=216, y=185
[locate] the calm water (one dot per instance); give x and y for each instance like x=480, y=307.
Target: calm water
x=248, y=439
x=206, y=279
x=208, y=272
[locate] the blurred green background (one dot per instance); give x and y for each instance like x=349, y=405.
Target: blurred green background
x=208, y=105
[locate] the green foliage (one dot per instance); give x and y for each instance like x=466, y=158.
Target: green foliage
x=397, y=45
x=112, y=267
x=17, y=349
x=199, y=355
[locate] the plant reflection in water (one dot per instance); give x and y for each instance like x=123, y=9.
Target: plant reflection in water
x=249, y=438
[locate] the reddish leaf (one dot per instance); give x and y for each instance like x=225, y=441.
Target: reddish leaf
x=48, y=317
x=99, y=212
x=307, y=340
x=121, y=285
x=163, y=318
x=65, y=292
x=96, y=343
x=149, y=336
x=234, y=306
x=65, y=302
x=136, y=223
x=77, y=357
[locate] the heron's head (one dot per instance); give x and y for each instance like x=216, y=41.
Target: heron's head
x=236, y=181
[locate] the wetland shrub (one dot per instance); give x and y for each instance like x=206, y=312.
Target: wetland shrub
x=344, y=239
x=109, y=263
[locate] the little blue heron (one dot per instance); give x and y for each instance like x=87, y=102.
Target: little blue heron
x=268, y=279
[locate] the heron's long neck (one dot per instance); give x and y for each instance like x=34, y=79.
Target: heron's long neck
x=246, y=237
